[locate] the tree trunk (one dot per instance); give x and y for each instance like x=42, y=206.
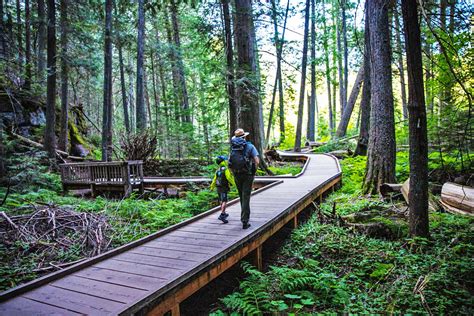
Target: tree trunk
x=27, y=45
x=418, y=196
x=147, y=97
x=156, y=95
x=19, y=36
x=247, y=83
x=345, y=52
x=363, y=140
x=346, y=115
x=41, y=41
x=49, y=135
x=229, y=54
x=186, y=116
x=299, y=125
x=312, y=102
x=428, y=70
x=62, y=142
x=340, y=69
x=140, y=97
x=401, y=69
x=107, y=105
x=3, y=39
x=123, y=88
x=280, y=82
x=381, y=151
x=328, y=68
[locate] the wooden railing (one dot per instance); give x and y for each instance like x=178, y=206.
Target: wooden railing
x=100, y=175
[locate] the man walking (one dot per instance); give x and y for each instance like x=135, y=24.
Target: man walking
x=243, y=163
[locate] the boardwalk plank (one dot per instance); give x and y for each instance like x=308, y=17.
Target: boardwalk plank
x=101, y=289
x=24, y=306
x=121, y=278
x=188, y=248
x=74, y=301
x=138, y=269
x=141, y=255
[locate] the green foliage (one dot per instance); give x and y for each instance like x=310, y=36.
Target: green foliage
x=29, y=172
x=290, y=136
x=286, y=170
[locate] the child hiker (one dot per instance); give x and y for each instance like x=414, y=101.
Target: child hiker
x=222, y=181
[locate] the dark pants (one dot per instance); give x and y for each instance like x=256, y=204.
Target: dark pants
x=244, y=186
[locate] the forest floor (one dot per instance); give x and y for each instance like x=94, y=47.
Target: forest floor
x=327, y=267
x=50, y=230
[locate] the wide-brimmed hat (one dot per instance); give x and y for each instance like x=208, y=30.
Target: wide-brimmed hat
x=240, y=133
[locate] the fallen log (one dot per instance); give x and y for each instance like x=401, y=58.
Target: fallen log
x=41, y=146
x=341, y=153
x=387, y=188
x=433, y=201
x=457, y=198
x=313, y=144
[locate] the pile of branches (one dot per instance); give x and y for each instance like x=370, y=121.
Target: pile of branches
x=49, y=231
x=142, y=146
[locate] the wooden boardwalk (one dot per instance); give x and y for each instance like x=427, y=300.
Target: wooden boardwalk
x=154, y=274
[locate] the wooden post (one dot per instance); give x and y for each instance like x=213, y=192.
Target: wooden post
x=258, y=258
x=175, y=310
x=321, y=198
x=295, y=221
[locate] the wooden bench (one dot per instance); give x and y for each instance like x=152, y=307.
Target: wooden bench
x=118, y=176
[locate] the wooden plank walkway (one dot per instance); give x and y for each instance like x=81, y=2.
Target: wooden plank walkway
x=154, y=274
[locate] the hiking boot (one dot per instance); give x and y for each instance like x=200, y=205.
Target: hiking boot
x=246, y=225
x=223, y=217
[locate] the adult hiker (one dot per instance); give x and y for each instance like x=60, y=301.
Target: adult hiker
x=243, y=163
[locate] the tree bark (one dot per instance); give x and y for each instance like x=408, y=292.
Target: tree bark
x=186, y=116
x=381, y=151
x=401, y=69
x=3, y=40
x=363, y=140
x=418, y=196
x=63, y=133
x=140, y=97
x=340, y=68
x=247, y=83
x=229, y=54
x=107, y=105
x=312, y=102
x=49, y=135
x=41, y=40
x=27, y=45
x=19, y=36
x=328, y=68
x=346, y=115
x=123, y=88
x=299, y=125
x=280, y=81
x=345, y=52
